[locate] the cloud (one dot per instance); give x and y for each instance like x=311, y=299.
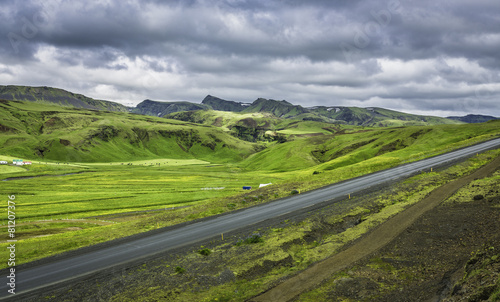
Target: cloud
x=401, y=54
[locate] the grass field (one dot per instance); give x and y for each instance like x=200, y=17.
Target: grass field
x=4, y=169
x=103, y=189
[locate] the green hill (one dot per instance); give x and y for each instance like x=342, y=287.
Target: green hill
x=56, y=96
x=378, y=117
x=70, y=134
x=258, y=126
x=384, y=147
x=281, y=109
x=367, y=117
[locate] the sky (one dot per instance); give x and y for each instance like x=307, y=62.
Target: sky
x=433, y=57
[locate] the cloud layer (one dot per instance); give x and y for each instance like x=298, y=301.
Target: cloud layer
x=428, y=57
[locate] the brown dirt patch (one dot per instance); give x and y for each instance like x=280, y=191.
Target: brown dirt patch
x=218, y=122
x=74, y=228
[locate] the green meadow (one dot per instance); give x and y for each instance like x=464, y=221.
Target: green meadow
x=103, y=189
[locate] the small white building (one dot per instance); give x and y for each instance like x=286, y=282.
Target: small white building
x=18, y=162
x=3, y=162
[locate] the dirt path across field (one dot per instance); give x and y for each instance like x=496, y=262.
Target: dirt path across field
x=370, y=243
x=92, y=221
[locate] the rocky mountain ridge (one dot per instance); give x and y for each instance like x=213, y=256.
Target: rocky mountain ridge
x=371, y=116
x=473, y=118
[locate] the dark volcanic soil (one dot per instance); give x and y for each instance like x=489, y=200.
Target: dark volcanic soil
x=427, y=260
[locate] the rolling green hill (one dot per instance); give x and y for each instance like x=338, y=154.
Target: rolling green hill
x=282, y=109
x=378, y=117
x=258, y=126
x=56, y=96
x=57, y=133
x=378, y=147
x=367, y=117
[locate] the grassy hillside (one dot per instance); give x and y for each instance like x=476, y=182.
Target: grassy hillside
x=378, y=117
x=387, y=146
x=370, y=117
x=277, y=112
x=282, y=109
x=259, y=126
x=56, y=96
x=77, y=135
x=225, y=120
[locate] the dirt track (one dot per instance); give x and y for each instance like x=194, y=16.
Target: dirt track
x=370, y=243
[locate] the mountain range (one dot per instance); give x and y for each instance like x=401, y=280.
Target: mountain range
x=281, y=109
x=371, y=117
x=473, y=118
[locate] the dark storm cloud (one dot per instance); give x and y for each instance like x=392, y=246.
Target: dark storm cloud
x=313, y=29
x=312, y=52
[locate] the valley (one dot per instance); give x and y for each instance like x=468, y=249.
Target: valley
x=98, y=176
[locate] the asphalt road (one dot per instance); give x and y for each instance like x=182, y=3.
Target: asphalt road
x=36, y=278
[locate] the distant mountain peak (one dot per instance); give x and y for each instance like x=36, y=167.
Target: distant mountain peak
x=155, y=108
x=56, y=96
x=271, y=100
x=224, y=105
x=371, y=116
x=282, y=108
x=473, y=118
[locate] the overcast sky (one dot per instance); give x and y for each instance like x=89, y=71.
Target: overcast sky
x=426, y=57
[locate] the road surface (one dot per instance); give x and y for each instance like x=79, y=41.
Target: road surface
x=36, y=278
